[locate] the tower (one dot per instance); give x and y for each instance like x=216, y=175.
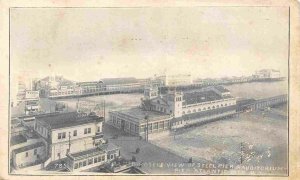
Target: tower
x=150, y=92
x=175, y=100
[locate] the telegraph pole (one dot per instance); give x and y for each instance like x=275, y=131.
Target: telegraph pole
x=69, y=142
x=147, y=125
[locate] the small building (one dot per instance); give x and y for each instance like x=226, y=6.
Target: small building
x=29, y=155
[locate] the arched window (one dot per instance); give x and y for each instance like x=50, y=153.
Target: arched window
x=225, y=104
x=208, y=108
x=199, y=109
x=194, y=110
x=213, y=107
x=221, y=105
x=158, y=102
x=204, y=109
x=218, y=106
x=189, y=112
x=183, y=112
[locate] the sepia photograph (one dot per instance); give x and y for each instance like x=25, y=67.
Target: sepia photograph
x=147, y=91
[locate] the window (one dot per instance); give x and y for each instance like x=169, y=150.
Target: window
x=75, y=133
x=98, y=130
x=76, y=166
x=225, y=104
x=59, y=136
x=80, y=164
x=111, y=156
x=87, y=130
x=183, y=112
x=35, y=151
x=95, y=160
x=90, y=161
x=26, y=154
x=84, y=163
x=103, y=158
x=58, y=155
x=99, y=158
x=63, y=135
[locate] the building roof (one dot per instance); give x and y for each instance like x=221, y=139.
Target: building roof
x=115, y=81
x=86, y=153
x=221, y=89
x=29, y=147
x=70, y=119
x=140, y=114
x=89, y=83
x=94, y=151
x=199, y=97
x=18, y=139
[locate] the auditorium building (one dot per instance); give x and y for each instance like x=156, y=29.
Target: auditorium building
x=174, y=110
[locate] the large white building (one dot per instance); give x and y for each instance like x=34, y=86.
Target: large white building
x=75, y=137
x=173, y=110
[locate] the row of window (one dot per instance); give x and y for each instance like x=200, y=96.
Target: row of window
x=204, y=109
x=86, y=131
x=89, y=161
x=155, y=126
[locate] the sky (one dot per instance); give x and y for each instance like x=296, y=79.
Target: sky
x=85, y=44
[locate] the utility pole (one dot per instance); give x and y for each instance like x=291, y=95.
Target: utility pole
x=147, y=125
x=69, y=141
x=242, y=153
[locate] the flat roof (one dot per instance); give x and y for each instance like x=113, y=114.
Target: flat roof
x=29, y=147
x=70, y=119
x=18, y=139
x=140, y=114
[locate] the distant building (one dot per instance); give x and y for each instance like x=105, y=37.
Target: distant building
x=176, y=80
x=32, y=102
x=267, y=74
x=54, y=86
x=159, y=113
x=129, y=84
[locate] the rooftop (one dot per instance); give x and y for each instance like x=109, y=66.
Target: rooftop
x=29, y=147
x=93, y=151
x=113, y=81
x=221, y=89
x=18, y=139
x=70, y=119
x=199, y=97
x=140, y=114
